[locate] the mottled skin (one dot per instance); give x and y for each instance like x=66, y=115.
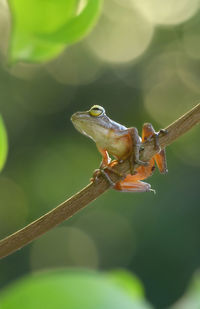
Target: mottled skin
x=122, y=143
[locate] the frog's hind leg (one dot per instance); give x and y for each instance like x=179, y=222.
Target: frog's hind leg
x=130, y=184
x=161, y=161
x=148, y=132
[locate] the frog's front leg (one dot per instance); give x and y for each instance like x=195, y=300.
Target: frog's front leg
x=105, y=167
x=135, y=149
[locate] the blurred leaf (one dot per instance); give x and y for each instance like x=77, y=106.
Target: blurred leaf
x=3, y=144
x=128, y=282
x=78, y=26
x=68, y=289
x=42, y=28
x=191, y=299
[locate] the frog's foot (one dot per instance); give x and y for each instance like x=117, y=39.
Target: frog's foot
x=160, y=157
x=148, y=133
x=139, y=162
x=133, y=161
x=156, y=138
x=103, y=171
x=129, y=184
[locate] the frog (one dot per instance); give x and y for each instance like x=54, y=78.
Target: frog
x=120, y=142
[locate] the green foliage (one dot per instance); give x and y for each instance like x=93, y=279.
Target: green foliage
x=3, y=144
x=127, y=282
x=74, y=289
x=191, y=298
x=42, y=29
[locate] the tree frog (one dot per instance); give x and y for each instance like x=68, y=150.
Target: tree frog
x=122, y=143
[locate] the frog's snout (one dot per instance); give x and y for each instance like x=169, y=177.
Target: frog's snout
x=79, y=116
x=73, y=117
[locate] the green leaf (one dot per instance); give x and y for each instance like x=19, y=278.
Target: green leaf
x=78, y=26
x=3, y=144
x=68, y=289
x=35, y=51
x=128, y=282
x=41, y=29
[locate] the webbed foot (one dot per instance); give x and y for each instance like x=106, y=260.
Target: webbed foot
x=130, y=184
x=104, y=172
x=148, y=133
x=156, y=138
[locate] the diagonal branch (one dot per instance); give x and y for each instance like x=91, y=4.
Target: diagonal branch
x=81, y=199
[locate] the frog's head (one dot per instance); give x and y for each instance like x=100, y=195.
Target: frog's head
x=92, y=123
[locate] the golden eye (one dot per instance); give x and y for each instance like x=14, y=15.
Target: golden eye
x=96, y=110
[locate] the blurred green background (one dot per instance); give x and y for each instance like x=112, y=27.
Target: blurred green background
x=141, y=62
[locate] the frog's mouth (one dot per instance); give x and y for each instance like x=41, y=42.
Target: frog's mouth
x=81, y=123
x=77, y=123
x=79, y=127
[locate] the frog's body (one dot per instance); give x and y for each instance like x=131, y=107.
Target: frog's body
x=120, y=142
x=106, y=133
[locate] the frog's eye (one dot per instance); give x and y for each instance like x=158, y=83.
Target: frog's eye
x=96, y=110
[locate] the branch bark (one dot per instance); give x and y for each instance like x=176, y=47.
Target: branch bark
x=81, y=199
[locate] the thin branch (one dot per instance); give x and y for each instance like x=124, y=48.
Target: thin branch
x=81, y=199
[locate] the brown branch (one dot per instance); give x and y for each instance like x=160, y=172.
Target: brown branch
x=78, y=201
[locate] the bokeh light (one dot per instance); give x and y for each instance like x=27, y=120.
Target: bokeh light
x=4, y=28
x=142, y=63
x=75, y=66
x=121, y=35
x=76, y=249
x=191, y=38
x=188, y=72
x=117, y=249
x=167, y=12
x=165, y=91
